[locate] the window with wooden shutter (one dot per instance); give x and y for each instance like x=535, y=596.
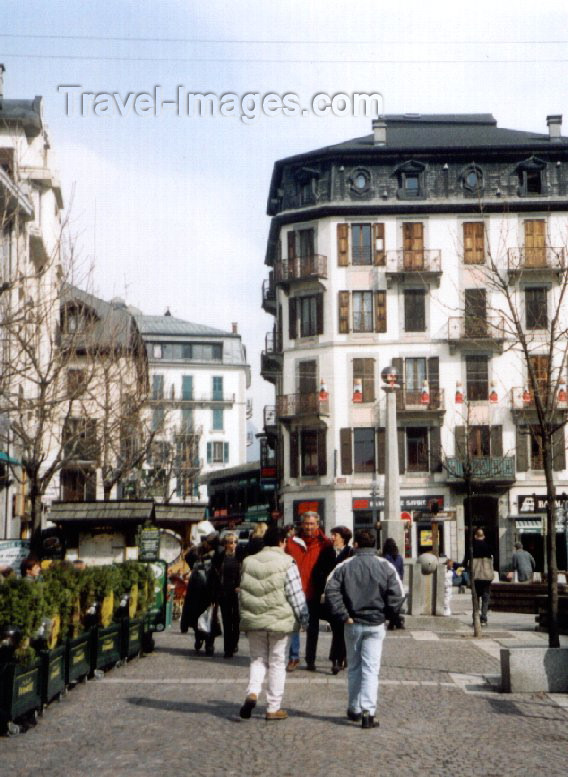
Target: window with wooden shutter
x=294, y=454
x=539, y=363
x=435, y=449
x=434, y=380
x=475, y=311
x=497, y=441
x=362, y=311
x=558, y=450
x=379, y=253
x=414, y=310
x=322, y=451
x=306, y=376
x=309, y=455
x=381, y=443
x=401, y=434
x=417, y=448
x=364, y=449
x=460, y=446
x=535, y=242
x=477, y=377
x=361, y=249
x=535, y=444
x=346, y=452
x=380, y=312
x=343, y=245
x=343, y=312
x=413, y=245
x=291, y=247
x=474, y=242
x=292, y=319
x=521, y=459
x=479, y=441
x=319, y=313
x=536, y=307
x=364, y=375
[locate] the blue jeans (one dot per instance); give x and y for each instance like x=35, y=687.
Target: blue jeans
x=294, y=652
x=364, y=645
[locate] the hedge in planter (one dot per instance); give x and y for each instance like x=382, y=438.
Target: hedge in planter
x=22, y=610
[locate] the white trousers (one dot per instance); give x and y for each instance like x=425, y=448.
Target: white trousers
x=268, y=651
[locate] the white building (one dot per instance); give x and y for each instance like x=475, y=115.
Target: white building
x=378, y=250
x=198, y=382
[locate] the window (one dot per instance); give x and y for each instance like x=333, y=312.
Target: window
x=217, y=388
x=413, y=245
x=313, y=452
x=308, y=316
x=417, y=449
x=361, y=244
x=536, y=311
x=306, y=377
x=364, y=449
x=475, y=309
x=157, y=419
x=472, y=180
x=157, y=386
x=477, y=377
x=202, y=352
x=535, y=243
x=415, y=375
x=218, y=419
x=364, y=380
x=362, y=311
x=80, y=439
x=531, y=174
x=535, y=441
x=157, y=351
x=186, y=387
x=539, y=365
x=186, y=420
x=479, y=442
x=410, y=180
x=78, y=485
x=411, y=184
x=306, y=243
x=76, y=382
x=414, y=310
x=474, y=242
x=217, y=452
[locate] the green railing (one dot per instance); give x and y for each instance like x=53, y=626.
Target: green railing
x=483, y=468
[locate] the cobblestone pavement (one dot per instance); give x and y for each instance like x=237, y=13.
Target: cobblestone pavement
x=173, y=712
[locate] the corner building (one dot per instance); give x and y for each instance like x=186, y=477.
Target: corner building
x=374, y=255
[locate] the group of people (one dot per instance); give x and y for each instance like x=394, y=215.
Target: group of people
x=289, y=578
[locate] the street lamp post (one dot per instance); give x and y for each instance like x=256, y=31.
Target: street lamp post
x=392, y=525
x=374, y=502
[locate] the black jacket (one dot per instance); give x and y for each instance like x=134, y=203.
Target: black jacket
x=362, y=588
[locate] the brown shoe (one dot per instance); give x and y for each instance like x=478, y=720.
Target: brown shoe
x=292, y=665
x=248, y=706
x=278, y=715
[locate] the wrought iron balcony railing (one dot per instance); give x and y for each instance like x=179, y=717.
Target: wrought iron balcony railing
x=268, y=293
x=523, y=398
x=300, y=268
x=294, y=405
x=490, y=328
x=542, y=258
x=420, y=401
x=488, y=468
x=418, y=261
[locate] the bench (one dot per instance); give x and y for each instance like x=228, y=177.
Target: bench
x=519, y=597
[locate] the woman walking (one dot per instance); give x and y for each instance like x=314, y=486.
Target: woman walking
x=229, y=579
x=340, y=537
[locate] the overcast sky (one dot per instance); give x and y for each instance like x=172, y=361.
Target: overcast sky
x=173, y=208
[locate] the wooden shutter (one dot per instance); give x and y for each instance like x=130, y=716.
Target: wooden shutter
x=379, y=245
x=294, y=454
x=319, y=313
x=461, y=447
x=435, y=450
x=364, y=370
x=322, y=451
x=413, y=245
x=474, y=242
x=380, y=311
x=558, y=450
x=535, y=242
x=343, y=312
x=399, y=365
x=401, y=433
x=342, y=245
x=522, y=461
x=434, y=381
x=496, y=441
x=291, y=246
x=346, y=451
x=381, y=441
x=292, y=319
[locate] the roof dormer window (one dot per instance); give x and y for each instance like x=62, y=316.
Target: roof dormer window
x=411, y=183
x=532, y=177
x=472, y=180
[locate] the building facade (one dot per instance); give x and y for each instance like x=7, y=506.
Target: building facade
x=392, y=249
x=199, y=377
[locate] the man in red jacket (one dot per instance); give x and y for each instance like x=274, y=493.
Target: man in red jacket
x=313, y=553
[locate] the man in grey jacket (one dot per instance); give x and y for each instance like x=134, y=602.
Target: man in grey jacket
x=358, y=593
x=523, y=564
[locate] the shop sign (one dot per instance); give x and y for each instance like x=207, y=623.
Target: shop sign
x=13, y=552
x=149, y=544
x=407, y=503
x=535, y=503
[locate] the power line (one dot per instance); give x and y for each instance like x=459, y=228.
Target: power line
x=284, y=61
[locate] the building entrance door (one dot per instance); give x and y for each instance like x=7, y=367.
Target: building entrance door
x=485, y=514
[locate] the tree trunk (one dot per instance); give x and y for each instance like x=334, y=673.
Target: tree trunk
x=552, y=575
x=469, y=520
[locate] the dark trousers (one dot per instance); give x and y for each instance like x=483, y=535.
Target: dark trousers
x=312, y=633
x=337, y=652
x=482, y=590
x=231, y=622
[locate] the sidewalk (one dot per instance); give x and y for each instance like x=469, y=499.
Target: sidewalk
x=439, y=710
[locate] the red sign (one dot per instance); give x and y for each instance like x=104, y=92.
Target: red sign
x=405, y=516
x=308, y=507
x=360, y=504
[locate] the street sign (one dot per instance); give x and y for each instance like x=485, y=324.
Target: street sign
x=149, y=544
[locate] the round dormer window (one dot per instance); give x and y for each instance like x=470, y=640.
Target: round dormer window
x=361, y=181
x=473, y=179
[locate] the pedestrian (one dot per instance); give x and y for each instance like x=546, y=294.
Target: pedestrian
x=358, y=592
x=229, y=580
x=313, y=553
x=448, y=586
x=272, y=603
x=391, y=553
x=482, y=572
x=30, y=569
x=340, y=538
x=256, y=540
x=523, y=564
x=200, y=608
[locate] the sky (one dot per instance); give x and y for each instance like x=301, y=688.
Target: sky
x=171, y=209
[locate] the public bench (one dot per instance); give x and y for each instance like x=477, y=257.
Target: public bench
x=519, y=597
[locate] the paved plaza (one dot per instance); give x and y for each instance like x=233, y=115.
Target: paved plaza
x=174, y=713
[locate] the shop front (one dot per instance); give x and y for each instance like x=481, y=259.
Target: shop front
x=530, y=529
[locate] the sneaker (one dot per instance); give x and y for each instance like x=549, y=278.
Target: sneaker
x=367, y=720
x=484, y=623
x=293, y=664
x=278, y=715
x=354, y=716
x=248, y=706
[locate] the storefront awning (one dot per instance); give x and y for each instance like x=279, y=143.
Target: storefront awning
x=8, y=459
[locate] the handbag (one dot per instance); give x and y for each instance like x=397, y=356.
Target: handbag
x=205, y=620
x=483, y=568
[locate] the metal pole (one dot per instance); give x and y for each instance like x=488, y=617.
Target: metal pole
x=392, y=524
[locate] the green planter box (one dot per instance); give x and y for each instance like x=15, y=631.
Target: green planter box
x=131, y=637
x=54, y=672
x=107, y=645
x=79, y=652
x=20, y=690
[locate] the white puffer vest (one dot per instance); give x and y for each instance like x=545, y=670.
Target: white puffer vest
x=263, y=603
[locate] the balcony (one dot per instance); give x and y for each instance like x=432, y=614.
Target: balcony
x=522, y=401
x=535, y=263
x=475, y=331
x=269, y=295
x=301, y=268
x=290, y=406
x=405, y=265
x=423, y=402
x=212, y=398
x=271, y=357
x=490, y=469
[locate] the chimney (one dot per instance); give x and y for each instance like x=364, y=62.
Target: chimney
x=2, y=71
x=379, y=132
x=554, y=126
x=167, y=313
x=235, y=327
